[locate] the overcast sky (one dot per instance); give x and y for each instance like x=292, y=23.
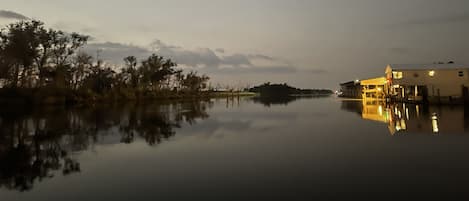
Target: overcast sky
x=307, y=43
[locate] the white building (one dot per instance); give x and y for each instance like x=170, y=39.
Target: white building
x=428, y=82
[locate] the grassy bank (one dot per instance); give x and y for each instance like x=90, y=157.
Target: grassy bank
x=55, y=96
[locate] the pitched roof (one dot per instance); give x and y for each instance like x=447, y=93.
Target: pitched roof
x=428, y=66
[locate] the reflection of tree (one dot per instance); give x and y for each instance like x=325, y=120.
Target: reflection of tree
x=155, y=123
x=279, y=100
x=36, y=144
x=30, y=151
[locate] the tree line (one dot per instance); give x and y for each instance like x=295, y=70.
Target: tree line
x=34, y=57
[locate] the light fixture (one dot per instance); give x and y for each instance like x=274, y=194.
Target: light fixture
x=431, y=73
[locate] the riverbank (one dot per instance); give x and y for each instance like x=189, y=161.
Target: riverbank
x=55, y=96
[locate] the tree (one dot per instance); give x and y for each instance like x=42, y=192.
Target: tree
x=19, y=48
x=63, y=47
x=33, y=56
x=82, y=64
x=28, y=49
x=131, y=71
x=194, y=82
x=154, y=70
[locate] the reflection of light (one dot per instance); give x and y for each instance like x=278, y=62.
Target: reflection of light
x=431, y=73
x=380, y=89
x=403, y=125
x=407, y=113
x=398, y=126
x=399, y=114
x=417, y=109
x=435, y=123
x=380, y=110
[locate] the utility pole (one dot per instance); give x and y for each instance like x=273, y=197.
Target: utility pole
x=98, y=53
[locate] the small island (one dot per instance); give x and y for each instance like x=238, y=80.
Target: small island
x=278, y=90
x=282, y=94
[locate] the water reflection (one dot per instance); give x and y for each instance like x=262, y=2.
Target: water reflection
x=281, y=100
x=38, y=144
x=405, y=118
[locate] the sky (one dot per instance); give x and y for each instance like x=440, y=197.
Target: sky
x=305, y=43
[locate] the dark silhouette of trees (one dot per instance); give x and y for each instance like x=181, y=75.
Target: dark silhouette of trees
x=130, y=74
x=272, y=90
x=33, y=57
x=155, y=70
x=194, y=82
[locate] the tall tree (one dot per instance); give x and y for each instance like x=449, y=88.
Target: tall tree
x=20, y=48
x=131, y=70
x=155, y=69
x=81, y=67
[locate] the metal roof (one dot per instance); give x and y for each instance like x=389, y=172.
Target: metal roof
x=374, y=81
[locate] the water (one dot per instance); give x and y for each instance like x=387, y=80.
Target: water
x=234, y=149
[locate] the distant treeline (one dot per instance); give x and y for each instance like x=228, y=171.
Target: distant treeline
x=38, y=64
x=268, y=89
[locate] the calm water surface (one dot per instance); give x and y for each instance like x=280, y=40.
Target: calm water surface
x=246, y=149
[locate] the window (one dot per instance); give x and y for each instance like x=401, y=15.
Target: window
x=461, y=74
x=397, y=75
x=416, y=75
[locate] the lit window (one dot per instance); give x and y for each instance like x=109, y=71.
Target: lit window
x=431, y=73
x=397, y=75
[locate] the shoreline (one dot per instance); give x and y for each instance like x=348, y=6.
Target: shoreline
x=51, y=97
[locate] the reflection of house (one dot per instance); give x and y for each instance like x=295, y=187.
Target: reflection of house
x=351, y=89
x=375, y=111
x=417, y=119
x=432, y=82
x=405, y=118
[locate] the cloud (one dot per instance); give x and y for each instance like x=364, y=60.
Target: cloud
x=317, y=71
x=218, y=61
x=12, y=15
x=399, y=50
x=220, y=50
x=116, y=52
x=455, y=18
x=260, y=56
x=205, y=60
x=75, y=27
x=236, y=60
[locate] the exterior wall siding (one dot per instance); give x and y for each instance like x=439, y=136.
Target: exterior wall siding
x=444, y=83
